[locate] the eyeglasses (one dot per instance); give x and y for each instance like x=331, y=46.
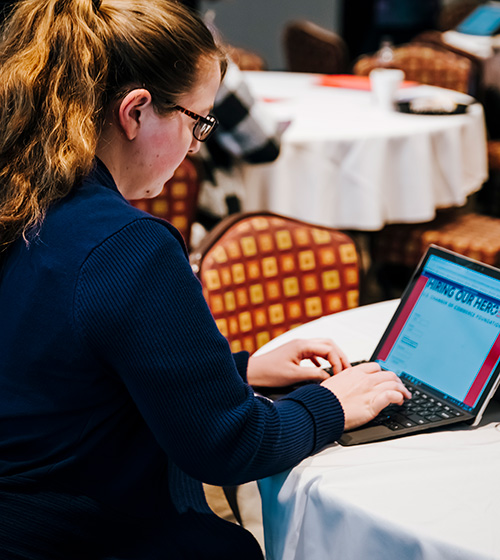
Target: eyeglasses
x=204, y=125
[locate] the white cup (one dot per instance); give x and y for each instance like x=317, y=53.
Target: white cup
x=384, y=83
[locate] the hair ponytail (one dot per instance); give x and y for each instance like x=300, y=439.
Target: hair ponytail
x=52, y=78
x=61, y=63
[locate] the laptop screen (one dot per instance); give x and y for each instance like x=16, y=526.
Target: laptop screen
x=484, y=20
x=446, y=331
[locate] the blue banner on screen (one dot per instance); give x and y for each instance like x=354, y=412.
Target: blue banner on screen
x=448, y=333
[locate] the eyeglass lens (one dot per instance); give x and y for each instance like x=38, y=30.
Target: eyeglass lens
x=204, y=129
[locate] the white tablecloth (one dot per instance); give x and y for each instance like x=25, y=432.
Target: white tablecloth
x=425, y=497
x=345, y=163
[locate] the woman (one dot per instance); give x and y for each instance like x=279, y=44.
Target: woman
x=118, y=395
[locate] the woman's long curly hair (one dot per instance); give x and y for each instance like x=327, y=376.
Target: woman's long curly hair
x=62, y=63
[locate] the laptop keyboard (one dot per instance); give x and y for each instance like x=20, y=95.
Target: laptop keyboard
x=421, y=409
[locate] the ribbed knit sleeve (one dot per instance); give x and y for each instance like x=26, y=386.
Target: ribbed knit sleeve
x=139, y=308
x=241, y=361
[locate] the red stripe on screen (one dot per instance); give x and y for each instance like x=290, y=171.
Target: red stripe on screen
x=403, y=317
x=484, y=373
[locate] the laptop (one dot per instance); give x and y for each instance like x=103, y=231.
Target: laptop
x=444, y=343
x=484, y=20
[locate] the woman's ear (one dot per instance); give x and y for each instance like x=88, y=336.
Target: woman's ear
x=130, y=111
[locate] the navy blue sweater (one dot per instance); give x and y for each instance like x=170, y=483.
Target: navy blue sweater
x=118, y=394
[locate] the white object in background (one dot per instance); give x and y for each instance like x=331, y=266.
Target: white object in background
x=384, y=83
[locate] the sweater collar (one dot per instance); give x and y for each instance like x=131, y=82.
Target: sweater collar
x=101, y=174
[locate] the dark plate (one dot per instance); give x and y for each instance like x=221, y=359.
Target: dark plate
x=405, y=107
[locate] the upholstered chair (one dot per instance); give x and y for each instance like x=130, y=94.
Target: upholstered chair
x=263, y=274
x=309, y=47
x=427, y=64
x=398, y=248
x=435, y=39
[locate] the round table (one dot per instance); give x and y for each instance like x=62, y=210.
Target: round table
x=346, y=163
x=432, y=496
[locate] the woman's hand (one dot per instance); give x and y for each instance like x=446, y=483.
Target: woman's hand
x=364, y=390
x=281, y=367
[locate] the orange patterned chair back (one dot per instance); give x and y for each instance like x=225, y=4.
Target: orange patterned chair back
x=263, y=274
x=177, y=201
x=426, y=64
x=311, y=48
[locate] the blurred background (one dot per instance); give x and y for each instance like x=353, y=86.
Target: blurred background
x=258, y=25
